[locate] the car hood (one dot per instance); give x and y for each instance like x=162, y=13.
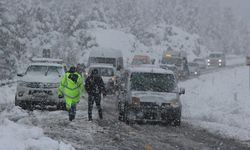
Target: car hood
x=155, y=97
x=41, y=78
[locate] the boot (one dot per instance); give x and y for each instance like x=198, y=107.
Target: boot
x=71, y=117
x=100, y=115
x=90, y=117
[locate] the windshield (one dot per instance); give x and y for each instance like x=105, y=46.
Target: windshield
x=139, y=61
x=107, y=72
x=215, y=55
x=152, y=82
x=193, y=64
x=102, y=60
x=199, y=60
x=172, y=61
x=46, y=70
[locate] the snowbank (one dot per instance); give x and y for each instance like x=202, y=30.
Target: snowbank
x=7, y=94
x=19, y=135
x=14, y=136
x=220, y=102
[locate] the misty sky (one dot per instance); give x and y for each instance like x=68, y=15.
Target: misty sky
x=241, y=7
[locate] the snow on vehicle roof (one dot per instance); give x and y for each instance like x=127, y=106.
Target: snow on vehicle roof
x=47, y=60
x=101, y=65
x=150, y=69
x=105, y=52
x=46, y=64
x=221, y=53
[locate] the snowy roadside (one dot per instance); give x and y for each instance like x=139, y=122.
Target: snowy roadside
x=20, y=135
x=219, y=102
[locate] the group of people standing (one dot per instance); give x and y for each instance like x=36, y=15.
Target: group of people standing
x=72, y=88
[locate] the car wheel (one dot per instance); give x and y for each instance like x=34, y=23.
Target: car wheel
x=177, y=121
x=16, y=102
x=61, y=106
x=121, y=113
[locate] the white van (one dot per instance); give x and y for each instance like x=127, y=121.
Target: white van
x=106, y=56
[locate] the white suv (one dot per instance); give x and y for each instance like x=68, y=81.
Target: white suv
x=38, y=85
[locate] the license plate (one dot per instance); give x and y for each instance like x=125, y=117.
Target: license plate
x=39, y=93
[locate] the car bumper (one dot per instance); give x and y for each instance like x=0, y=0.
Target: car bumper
x=215, y=64
x=154, y=114
x=38, y=96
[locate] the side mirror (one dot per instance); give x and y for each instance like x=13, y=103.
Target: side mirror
x=20, y=74
x=182, y=91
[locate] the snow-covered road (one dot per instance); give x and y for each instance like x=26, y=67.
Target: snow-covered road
x=215, y=116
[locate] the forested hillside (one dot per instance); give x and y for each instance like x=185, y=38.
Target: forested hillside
x=65, y=27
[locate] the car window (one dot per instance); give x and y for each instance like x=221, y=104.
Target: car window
x=35, y=69
x=54, y=70
x=152, y=82
x=108, y=72
x=215, y=55
x=46, y=70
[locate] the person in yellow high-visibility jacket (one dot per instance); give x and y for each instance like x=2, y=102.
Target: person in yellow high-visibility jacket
x=71, y=88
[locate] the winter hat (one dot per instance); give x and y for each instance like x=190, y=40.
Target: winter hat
x=72, y=69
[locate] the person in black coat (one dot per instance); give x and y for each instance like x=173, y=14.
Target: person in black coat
x=94, y=86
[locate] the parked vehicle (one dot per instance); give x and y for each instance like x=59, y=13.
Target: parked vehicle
x=150, y=94
x=194, y=69
x=140, y=60
x=106, y=56
x=216, y=60
x=201, y=61
x=107, y=72
x=169, y=67
x=39, y=84
x=179, y=59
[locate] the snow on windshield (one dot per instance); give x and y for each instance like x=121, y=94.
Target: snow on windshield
x=215, y=55
x=45, y=70
x=152, y=82
x=108, y=72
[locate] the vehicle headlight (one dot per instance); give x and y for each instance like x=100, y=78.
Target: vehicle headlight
x=220, y=60
x=52, y=85
x=208, y=60
x=135, y=101
x=175, y=104
x=113, y=78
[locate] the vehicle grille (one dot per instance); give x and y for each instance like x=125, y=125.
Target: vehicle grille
x=149, y=105
x=34, y=85
x=214, y=62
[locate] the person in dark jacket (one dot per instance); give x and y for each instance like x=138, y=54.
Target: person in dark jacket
x=94, y=86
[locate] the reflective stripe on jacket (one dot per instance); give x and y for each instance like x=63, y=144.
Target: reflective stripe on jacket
x=72, y=91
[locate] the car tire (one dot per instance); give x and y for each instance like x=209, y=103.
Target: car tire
x=16, y=101
x=120, y=112
x=177, y=121
x=61, y=106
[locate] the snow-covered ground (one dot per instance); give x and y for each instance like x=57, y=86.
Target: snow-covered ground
x=20, y=135
x=220, y=102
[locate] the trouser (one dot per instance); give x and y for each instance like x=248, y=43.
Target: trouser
x=72, y=112
x=97, y=99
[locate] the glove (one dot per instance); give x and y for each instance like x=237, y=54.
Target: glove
x=104, y=94
x=60, y=96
